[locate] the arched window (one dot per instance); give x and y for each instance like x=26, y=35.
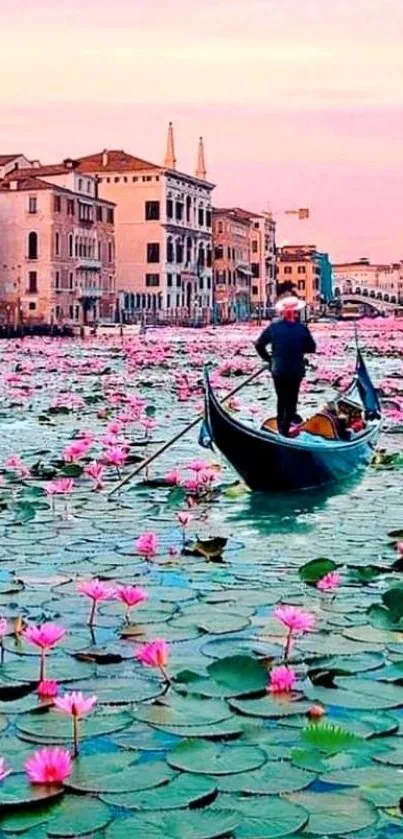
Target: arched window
x=70, y=244
x=189, y=249
x=33, y=246
x=358, y=290
x=386, y=298
x=179, y=251
x=188, y=207
x=393, y=299
x=201, y=215
x=170, y=250
x=202, y=258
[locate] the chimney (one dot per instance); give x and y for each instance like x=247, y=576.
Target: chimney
x=36, y=164
x=13, y=185
x=105, y=158
x=170, y=159
x=201, y=163
x=68, y=163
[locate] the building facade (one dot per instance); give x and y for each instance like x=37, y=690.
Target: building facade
x=362, y=278
x=243, y=261
x=57, y=247
x=163, y=230
x=306, y=271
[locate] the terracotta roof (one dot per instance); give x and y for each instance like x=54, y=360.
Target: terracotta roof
x=30, y=184
x=116, y=161
x=235, y=212
x=40, y=171
x=8, y=158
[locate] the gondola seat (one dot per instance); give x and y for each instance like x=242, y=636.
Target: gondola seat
x=321, y=425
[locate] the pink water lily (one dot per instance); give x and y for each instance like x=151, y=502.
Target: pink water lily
x=147, y=544
x=97, y=591
x=61, y=486
x=78, y=706
x=130, y=596
x=17, y=465
x=296, y=621
x=45, y=637
x=329, y=582
x=96, y=472
x=47, y=689
x=76, y=450
x=282, y=680
x=155, y=654
x=50, y=766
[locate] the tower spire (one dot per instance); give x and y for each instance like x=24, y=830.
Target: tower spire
x=170, y=159
x=201, y=171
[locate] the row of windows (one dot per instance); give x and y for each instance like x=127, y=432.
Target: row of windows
x=32, y=284
x=301, y=269
x=203, y=281
x=88, y=248
x=124, y=179
x=230, y=253
x=85, y=210
x=180, y=210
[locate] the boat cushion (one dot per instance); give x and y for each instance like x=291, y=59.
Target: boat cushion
x=321, y=425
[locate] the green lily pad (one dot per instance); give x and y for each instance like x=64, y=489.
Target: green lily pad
x=121, y=691
x=269, y=707
x=314, y=570
x=16, y=791
x=183, y=791
x=203, y=824
x=211, y=759
x=27, y=819
x=182, y=711
x=241, y=674
x=273, y=778
x=59, y=667
x=52, y=727
x=331, y=814
x=368, y=776
x=231, y=727
x=391, y=693
x=130, y=779
x=388, y=796
x=79, y=816
x=372, y=634
x=270, y=818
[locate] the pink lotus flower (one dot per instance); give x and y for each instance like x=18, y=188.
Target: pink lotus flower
x=78, y=706
x=49, y=766
x=4, y=628
x=329, y=582
x=297, y=622
x=282, y=680
x=61, y=486
x=130, y=596
x=17, y=465
x=148, y=425
x=155, y=654
x=198, y=465
x=97, y=591
x=76, y=450
x=47, y=689
x=315, y=712
x=3, y=772
x=173, y=477
x=116, y=456
x=147, y=544
x=45, y=637
x=95, y=471
x=114, y=427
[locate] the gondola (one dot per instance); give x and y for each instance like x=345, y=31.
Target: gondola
x=269, y=462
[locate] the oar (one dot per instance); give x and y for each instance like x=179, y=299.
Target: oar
x=180, y=434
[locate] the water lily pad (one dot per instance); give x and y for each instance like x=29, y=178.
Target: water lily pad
x=241, y=674
x=129, y=779
x=79, y=816
x=269, y=707
x=211, y=759
x=270, y=818
x=59, y=667
x=183, y=791
x=26, y=819
x=273, y=778
x=368, y=776
x=121, y=691
x=210, y=731
x=16, y=791
x=203, y=824
x=52, y=727
x=331, y=814
x=315, y=569
x=181, y=711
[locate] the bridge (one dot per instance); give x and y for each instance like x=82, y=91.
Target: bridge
x=386, y=304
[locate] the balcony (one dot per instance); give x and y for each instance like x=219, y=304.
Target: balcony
x=86, y=263
x=89, y=292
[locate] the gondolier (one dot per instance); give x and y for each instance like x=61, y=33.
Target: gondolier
x=290, y=340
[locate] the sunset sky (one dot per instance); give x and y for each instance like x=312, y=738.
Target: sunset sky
x=300, y=101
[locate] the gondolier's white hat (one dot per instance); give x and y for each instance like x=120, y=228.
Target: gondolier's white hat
x=289, y=303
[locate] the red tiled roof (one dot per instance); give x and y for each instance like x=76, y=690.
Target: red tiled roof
x=29, y=184
x=39, y=171
x=237, y=212
x=117, y=161
x=8, y=158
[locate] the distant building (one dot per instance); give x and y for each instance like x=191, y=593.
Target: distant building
x=306, y=271
x=163, y=229
x=244, y=261
x=57, y=248
x=362, y=278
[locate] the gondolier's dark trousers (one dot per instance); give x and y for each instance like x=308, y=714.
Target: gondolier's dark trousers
x=287, y=390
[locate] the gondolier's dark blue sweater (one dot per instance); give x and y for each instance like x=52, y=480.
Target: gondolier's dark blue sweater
x=289, y=342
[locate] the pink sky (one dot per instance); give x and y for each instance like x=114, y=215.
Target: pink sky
x=300, y=101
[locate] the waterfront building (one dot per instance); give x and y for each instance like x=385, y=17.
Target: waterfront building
x=163, y=230
x=365, y=279
x=307, y=271
x=57, y=248
x=244, y=261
